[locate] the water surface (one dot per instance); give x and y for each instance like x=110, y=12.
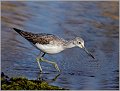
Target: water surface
x=96, y=22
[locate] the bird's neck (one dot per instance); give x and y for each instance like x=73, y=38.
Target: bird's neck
x=70, y=44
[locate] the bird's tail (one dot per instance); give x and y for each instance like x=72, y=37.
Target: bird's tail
x=17, y=30
x=23, y=33
x=27, y=35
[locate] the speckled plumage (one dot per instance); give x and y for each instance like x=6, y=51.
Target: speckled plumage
x=41, y=38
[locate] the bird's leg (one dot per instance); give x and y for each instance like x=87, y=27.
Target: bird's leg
x=38, y=59
x=43, y=60
x=39, y=64
x=43, y=55
x=53, y=63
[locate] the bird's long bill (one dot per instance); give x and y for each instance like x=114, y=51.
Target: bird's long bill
x=88, y=53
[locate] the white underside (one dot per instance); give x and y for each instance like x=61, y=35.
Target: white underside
x=48, y=48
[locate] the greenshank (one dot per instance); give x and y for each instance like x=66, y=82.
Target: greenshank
x=51, y=44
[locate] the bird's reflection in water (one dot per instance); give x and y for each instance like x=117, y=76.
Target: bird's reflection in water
x=41, y=77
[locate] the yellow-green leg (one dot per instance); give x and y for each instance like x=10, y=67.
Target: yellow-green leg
x=38, y=59
x=53, y=63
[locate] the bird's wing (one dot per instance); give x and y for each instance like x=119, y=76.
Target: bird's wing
x=44, y=38
x=41, y=38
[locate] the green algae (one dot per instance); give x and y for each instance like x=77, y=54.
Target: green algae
x=21, y=83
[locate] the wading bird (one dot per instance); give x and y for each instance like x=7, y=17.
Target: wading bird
x=51, y=44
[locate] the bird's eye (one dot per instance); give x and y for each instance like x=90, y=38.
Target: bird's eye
x=79, y=42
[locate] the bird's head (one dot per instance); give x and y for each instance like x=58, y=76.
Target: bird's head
x=80, y=43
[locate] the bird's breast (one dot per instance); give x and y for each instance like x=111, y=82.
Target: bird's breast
x=48, y=48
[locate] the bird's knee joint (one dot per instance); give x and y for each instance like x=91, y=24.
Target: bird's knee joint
x=39, y=59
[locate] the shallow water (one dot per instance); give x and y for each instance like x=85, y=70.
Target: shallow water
x=96, y=22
